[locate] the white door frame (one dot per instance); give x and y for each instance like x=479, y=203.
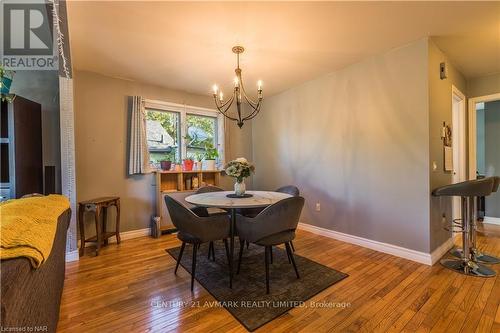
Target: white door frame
x=459, y=126
x=459, y=132
x=473, y=130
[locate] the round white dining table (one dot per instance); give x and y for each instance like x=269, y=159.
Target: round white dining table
x=220, y=200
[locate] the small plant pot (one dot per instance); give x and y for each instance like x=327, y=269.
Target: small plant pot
x=188, y=165
x=178, y=167
x=208, y=164
x=199, y=165
x=165, y=165
x=6, y=83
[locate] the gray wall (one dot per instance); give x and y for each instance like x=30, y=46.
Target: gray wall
x=43, y=87
x=492, y=152
x=482, y=86
x=357, y=142
x=101, y=139
x=440, y=110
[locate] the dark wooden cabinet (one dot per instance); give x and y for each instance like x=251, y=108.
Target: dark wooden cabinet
x=21, y=148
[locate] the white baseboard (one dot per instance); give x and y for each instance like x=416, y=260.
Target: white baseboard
x=491, y=220
x=127, y=235
x=442, y=250
x=420, y=257
x=72, y=256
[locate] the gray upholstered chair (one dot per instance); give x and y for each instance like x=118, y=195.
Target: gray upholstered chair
x=275, y=225
x=203, y=211
x=289, y=189
x=196, y=230
x=252, y=212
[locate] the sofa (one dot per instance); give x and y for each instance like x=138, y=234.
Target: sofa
x=30, y=298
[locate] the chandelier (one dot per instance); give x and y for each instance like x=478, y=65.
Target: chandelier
x=239, y=94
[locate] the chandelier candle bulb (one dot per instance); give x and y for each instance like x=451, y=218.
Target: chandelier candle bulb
x=215, y=88
x=259, y=85
x=221, y=96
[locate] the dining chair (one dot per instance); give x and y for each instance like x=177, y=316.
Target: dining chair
x=273, y=226
x=196, y=230
x=252, y=212
x=203, y=211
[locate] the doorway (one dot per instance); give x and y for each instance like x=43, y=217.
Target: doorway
x=484, y=154
x=458, y=140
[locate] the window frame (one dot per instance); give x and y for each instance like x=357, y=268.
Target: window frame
x=184, y=110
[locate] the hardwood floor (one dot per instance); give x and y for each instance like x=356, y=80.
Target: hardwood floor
x=122, y=290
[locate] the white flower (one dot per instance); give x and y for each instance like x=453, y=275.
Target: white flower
x=241, y=160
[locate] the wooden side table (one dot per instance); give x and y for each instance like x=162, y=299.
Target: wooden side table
x=98, y=206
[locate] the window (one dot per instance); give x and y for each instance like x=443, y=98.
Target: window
x=175, y=132
x=163, y=134
x=201, y=133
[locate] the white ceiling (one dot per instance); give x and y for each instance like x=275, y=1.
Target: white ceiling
x=187, y=46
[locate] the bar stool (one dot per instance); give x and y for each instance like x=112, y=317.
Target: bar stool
x=476, y=254
x=468, y=191
x=97, y=206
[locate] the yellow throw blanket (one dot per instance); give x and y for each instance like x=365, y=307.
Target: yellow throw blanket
x=28, y=227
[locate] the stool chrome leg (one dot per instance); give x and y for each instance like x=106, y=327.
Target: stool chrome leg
x=476, y=254
x=468, y=268
x=465, y=265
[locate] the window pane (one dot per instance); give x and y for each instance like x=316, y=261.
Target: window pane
x=163, y=134
x=201, y=133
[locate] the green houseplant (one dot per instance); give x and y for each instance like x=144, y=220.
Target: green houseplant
x=198, y=158
x=6, y=78
x=168, y=157
x=187, y=164
x=211, y=155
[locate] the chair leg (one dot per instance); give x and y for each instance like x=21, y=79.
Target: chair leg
x=293, y=247
x=210, y=245
x=179, y=257
x=242, y=244
x=248, y=244
x=226, y=245
x=290, y=253
x=271, y=254
x=266, y=255
x=193, y=268
x=288, y=256
x=213, y=251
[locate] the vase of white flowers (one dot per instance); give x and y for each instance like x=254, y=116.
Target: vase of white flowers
x=239, y=169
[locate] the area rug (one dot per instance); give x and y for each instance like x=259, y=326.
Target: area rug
x=247, y=301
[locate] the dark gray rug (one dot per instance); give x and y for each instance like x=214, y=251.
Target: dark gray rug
x=247, y=301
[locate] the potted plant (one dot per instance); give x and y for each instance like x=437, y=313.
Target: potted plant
x=178, y=165
x=211, y=155
x=6, y=77
x=239, y=169
x=188, y=164
x=199, y=158
x=166, y=163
